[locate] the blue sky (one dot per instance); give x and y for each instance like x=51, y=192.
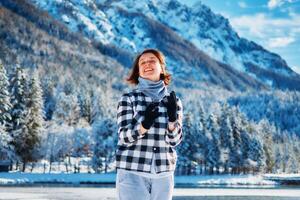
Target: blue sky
x=274, y=24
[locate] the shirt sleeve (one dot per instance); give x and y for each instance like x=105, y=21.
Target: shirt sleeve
x=175, y=137
x=128, y=126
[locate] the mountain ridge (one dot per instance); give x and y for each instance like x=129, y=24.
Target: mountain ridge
x=208, y=32
x=127, y=29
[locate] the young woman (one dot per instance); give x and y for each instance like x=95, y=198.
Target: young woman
x=149, y=127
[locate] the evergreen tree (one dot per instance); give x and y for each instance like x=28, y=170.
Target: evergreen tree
x=256, y=153
x=85, y=106
x=296, y=150
x=268, y=131
x=226, y=140
x=189, y=151
x=293, y=166
x=200, y=118
x=202, y=138
x=278, y=158
x=5, y=104
x=49, y=100
x=34, y=119
x=67, y=109
x=18, y=128
x=6, y=149
x=105, y=143
x=251, y=147
x=287, y=153
x=235, y=153
x=97, y=112
x=213, y=148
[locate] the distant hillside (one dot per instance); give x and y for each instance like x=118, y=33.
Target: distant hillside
x=35, y=40
x=198, y=43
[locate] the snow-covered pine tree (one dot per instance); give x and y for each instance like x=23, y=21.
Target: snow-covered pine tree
x=97, y=112
x=256, y=153
x=296, y=147
x=189, y=151
x=48, y=88
x=85, y=105
x=278, y=158
x=267, y=131
x=213, y=148
x=235, y=153
x=34, y=119
x=67, y=109
x=18, y=128
x=5, y=104
x=201, y=138
x=105, y=143
x=287, y=152
x=226, y=140
x=6, y=149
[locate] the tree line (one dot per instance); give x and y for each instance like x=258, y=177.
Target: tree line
x=45, y=122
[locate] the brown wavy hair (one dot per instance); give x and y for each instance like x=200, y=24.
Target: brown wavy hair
x=134, y=74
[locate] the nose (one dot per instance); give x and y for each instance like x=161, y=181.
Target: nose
x=147, y=62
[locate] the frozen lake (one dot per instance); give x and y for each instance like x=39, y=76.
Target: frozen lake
x=93, y=193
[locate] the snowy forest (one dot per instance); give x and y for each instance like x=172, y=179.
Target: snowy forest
x=44, y=124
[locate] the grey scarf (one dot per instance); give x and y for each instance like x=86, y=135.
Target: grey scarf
x=155, y=90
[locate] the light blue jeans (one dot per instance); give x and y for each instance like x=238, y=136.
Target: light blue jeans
x=134, y=187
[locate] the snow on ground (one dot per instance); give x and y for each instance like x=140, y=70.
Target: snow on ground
x=211, y=187
x=43, y=193
x=283, y=176
x=23, y=178
x=229, y=180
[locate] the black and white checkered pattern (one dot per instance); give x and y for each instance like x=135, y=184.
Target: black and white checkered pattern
x=134, y=152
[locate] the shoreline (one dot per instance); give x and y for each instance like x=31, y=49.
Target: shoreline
x=108, y=180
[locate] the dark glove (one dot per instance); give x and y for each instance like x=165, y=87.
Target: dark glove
x=151, y=113
x=172, y=107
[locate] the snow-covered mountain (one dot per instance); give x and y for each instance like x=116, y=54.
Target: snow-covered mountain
x=132, y=26
x=33, y=39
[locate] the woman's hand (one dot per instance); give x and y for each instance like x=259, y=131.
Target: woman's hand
x=172, y=107
x=151, y=113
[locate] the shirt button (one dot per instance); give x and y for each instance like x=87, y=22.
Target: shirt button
x=154, y=148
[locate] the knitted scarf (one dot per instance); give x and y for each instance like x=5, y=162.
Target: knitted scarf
x=155, y=90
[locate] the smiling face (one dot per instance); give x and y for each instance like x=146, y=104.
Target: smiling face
x=154, y=60
x=149, y=67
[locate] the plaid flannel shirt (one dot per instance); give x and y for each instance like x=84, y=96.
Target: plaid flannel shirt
x=135, y=151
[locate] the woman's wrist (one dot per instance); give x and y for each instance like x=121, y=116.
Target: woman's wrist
x=171, y=126
x=143, y=130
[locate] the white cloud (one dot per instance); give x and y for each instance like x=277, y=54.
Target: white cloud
x=277, y=3
x=280, y=42
x=274, y=3
x=253, y=23
x=242, y=4
x=264, y=27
